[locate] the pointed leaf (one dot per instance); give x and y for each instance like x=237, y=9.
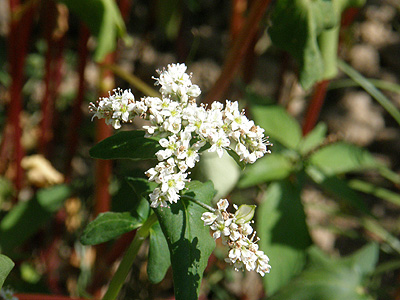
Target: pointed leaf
x=189, y=241
x=283, y=232
x=274, y=166
x=341, y=158
x=126, y=144
x=278, y=124
x=364, y=260
x=159, y=258
x=6, y=266
x=108, y=226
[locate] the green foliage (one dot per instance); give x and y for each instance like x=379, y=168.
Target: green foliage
x=282, y=228
x=332, y=279
x=189, y=241
x=126, y=144
x=15, y=229
x=159, y=258
x=278, y=124
x=339, y=158
x=308, y=30
x=110, y=225
x=104, y=21
x=6, y=266
x=269, y=168
x=367, y=85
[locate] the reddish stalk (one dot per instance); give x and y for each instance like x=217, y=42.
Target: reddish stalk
x=315, y=106
x=53, y=67
x=17, y=49
x=76, y=110
x=238, y=50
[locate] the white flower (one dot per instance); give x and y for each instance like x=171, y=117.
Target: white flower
x=222, y=205
x=234, y=230
x=208, y=218
x=184, y=128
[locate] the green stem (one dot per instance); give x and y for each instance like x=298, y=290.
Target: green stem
x=124, y=267
x=371, y=89
x=203, y=205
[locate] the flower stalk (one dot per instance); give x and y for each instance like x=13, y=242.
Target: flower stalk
x=126, y=263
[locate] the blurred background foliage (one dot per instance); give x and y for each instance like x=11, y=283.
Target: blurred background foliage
x=321, y=77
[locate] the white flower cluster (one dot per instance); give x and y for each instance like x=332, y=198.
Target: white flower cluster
x=184, y=128
x=7, y=294
x=234, y=230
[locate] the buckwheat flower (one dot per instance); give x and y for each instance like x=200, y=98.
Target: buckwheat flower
x=219, y=141
x=208, y=218
x=234, y=229
x=170, y=146
x=184, y=129
x=222, y=205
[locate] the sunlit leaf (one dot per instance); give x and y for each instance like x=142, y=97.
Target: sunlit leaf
x=341, y=158
x=273, y=166
x=282, y=228
x=278, y=124
x=108, y=226
x=6, y=266
x=189, y=241
x=159, y=258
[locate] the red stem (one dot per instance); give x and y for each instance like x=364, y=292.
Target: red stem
x=18, y=44
x=53, y=67
x=315, y=106
x=77, y=111
x=238, y=51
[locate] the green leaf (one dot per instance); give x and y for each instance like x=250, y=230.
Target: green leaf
x=273, y=166
x=278, y=124
x=332, y=279
x=159, y=258
x=6, y=266
x=189, y=241
x=296, y=27
x=364, y=260
x=339, y=188
x=236, y=158
x=313, y=139
x=283, y=232
x=108, y=226
x=26, y=218
x=104, y=20
x=341, y=158
x=126, y=144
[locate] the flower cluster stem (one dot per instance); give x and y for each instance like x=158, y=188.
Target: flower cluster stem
x=124, y=267
x=203, y=205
